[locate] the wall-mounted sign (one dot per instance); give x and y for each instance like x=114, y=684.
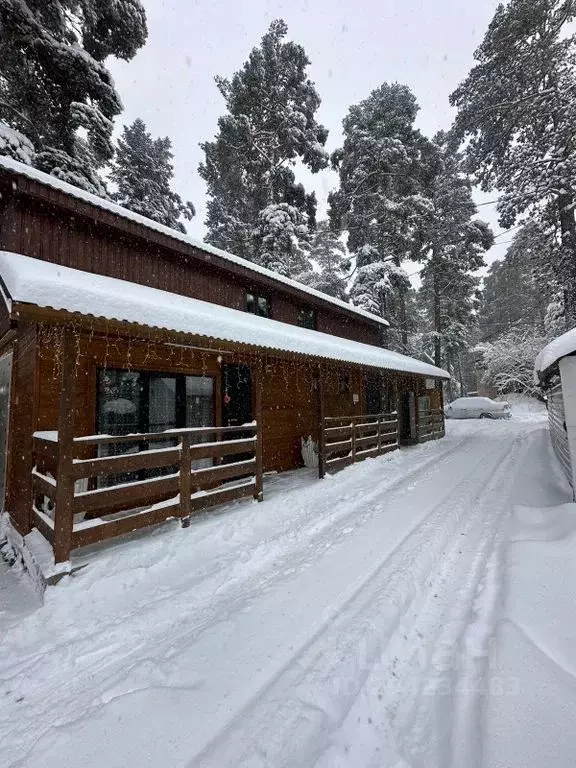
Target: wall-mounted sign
x=430, y=384
x=355, y=398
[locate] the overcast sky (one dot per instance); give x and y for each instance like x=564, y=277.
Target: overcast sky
x=353, y=47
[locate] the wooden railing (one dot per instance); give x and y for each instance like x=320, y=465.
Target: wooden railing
x=347, y=439
x=430, y=425
x=70, y=485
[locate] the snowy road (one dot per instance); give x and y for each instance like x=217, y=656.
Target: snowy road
x=340, y=623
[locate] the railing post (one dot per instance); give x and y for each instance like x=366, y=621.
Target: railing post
x=63, y=510
x=259, y=486
x=379, y=427
x=353, y=442
x=321, y=427
x=258, y=446
x=185, y=481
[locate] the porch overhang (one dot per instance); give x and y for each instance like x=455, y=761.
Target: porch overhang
x=44, y=292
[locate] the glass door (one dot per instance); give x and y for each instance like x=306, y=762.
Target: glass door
x=200, y=410
x=161, y=404
x=120, y=396
x=144, y=401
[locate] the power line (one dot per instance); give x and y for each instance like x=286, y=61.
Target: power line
x=505, y=231
x=488, y=202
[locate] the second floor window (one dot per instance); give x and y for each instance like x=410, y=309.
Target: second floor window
x=257, y=305
x=307, y=318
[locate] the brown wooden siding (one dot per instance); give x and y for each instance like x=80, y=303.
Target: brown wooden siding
x=289, y=412
x=36, y=223
x=23, y=406
x=348, y=329
x=288, y=397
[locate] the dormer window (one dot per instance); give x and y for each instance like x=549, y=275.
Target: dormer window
x=307, y=318
x=257, y=305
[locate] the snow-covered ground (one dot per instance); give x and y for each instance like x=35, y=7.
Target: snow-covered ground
x=415, y=610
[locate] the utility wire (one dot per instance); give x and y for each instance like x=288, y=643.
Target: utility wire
x=506, y=231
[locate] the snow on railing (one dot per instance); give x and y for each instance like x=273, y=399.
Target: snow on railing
x=201, y=467
x=347, y=439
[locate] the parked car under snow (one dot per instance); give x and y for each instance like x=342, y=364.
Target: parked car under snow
x=477, y=408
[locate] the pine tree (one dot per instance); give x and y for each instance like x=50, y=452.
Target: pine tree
x=519, y=288
x=517, y=110
x=381, y=287
x=449, y=298
x=282, y=232
x=143, y=171
x=383, y=166
x=450, y=243
x=54, y=86
x=270, y=124
x=330, y=255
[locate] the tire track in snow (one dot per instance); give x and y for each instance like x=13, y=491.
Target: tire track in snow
x=434, y=721
x=396, y=583
x=440, y=725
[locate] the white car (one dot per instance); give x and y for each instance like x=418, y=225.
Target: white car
x=477, y=408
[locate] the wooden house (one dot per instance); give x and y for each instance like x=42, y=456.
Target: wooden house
x=144, y=375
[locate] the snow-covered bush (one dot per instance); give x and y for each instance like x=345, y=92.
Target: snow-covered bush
x=509, y=361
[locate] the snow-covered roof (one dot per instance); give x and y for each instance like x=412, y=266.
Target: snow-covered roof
x=558, y=348
x=8, y=164
x=44, y=284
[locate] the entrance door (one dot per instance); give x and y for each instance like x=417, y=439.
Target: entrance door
x=236, y=395
x=408, y=418
x=374, y=394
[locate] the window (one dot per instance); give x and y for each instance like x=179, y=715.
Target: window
x=307, y=318
x=257, y=305
x=144, y=401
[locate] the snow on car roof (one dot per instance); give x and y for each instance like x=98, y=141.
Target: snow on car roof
x=552, y=352
x=472, y=400
x=45, y=284
x=52, y=181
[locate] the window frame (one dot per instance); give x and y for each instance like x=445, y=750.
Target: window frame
x=257, y=297
x=310, y=312
x=147, y=374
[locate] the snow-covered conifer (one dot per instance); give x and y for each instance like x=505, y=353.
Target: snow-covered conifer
x=518, y=288
x=143, y=171
x=517, y=111
x=15, y=145
x=330, y=256
x=450, y=243
x=383, y=167
x=54, y=86
x=281, y=238
x=270, y=124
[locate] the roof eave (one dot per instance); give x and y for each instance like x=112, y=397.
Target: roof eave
x=28, y=312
